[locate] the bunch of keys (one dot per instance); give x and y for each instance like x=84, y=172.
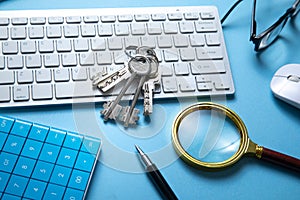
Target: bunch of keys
x=143, y=65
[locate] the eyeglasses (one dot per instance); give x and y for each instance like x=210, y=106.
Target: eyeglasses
x=267, y=37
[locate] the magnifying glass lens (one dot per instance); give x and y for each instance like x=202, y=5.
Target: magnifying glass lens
x=209, y=136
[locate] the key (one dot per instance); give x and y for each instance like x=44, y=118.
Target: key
x=150, y=85
x=141, y=65
x=148, y=89
x=108, y=81
x=138, y=66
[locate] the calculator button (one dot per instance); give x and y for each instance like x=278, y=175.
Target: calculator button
x=24, y=166
x=5, y=124
x=60, y=175
x=67, y=157
x=21, y=128
x=73, y=194
x=56, y=137
x=7, y=161
x=73, y=141
x=14, y=144
x=3, y=180
x=16, y=185
x=85, y=161
x=2, y=140
x=78, y=179
x=49, y=153
x=35, y=189
x=32, y=149
x=42, y=171
x=90, y=145
x=54, y=192
x=38, y=132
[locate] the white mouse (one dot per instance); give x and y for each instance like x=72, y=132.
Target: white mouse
x=285, y=84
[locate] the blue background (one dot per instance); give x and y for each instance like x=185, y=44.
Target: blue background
x=270, y=122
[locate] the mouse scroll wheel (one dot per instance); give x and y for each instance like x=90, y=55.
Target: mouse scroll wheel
x=294, y=78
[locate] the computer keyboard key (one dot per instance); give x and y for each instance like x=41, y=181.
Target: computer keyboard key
x=21, y=93
x=7, y=77
x=36, y=32
x=43, y=75
x=42, y=92
x=37, y=20
x=18, y=32
x=10, y=47
x=3, y=33
x=169, y=84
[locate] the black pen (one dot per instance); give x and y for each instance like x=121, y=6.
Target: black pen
x=156, y=176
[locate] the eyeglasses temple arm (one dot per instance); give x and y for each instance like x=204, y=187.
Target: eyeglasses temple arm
x=230, y=10
x=253, y=21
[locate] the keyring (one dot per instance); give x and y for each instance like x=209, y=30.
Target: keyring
x=243, y=144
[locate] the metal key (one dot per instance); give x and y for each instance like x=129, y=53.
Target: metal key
x=149, y=86
x=137, y=66
x=107, y=82
x=137, y=62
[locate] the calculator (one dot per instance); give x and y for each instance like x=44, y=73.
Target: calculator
x=42, y=162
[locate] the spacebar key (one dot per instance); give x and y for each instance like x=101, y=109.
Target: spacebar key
x=74, y=90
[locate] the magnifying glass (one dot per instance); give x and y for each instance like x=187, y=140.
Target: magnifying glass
x=209, y=135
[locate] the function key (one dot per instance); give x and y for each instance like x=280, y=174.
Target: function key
x=4, y=21
x=73, y=19
x=207, y=15
x=90, y=19
x=191, y=16
x=19, y=21
x=175, y=16
x=37, y=20
x=158, y=17
x=55, y=20
x=108, y=18
x=142, y=17
x=125, y=18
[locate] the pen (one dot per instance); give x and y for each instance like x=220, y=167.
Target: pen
x=156, y=176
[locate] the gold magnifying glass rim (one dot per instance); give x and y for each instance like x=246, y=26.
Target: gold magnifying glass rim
x=244, y=142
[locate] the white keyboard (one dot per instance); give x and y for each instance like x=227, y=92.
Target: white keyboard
x=50, y=56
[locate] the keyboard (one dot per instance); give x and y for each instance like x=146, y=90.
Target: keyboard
x=42, y=162
x=50, y=56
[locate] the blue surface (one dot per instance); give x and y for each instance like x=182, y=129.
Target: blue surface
x=270, y=122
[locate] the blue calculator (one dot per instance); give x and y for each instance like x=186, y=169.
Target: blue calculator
x=42, y=162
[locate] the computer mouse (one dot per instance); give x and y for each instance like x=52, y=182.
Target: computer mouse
x=285, y=84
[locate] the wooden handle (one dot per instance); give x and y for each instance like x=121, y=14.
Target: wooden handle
x=281, y=159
